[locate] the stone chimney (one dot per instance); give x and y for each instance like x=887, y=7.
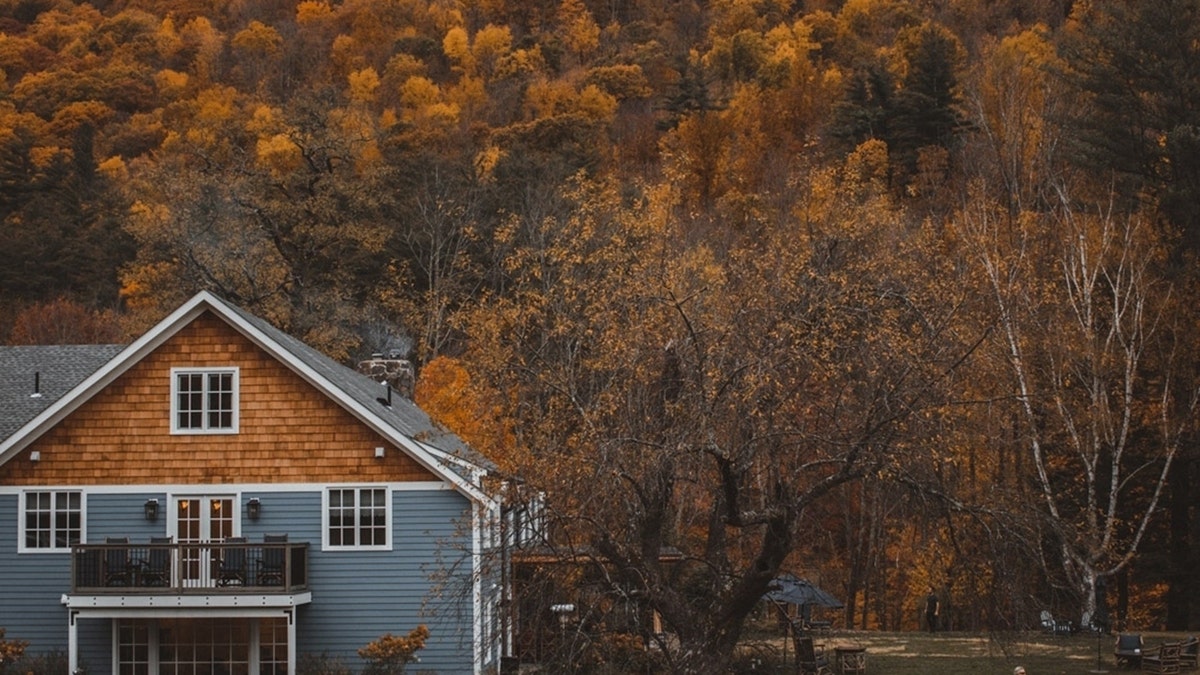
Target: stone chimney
x=391, y=370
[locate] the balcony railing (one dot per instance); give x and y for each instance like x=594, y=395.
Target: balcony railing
x=199, y=568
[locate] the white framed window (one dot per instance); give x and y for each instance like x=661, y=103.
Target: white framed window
x=357, y=518
x=204, y=401
x=50, y=520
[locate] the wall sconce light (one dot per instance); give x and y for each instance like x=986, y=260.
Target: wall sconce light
x=151, y=507
x=253, y=508
x=35, y=456
x=379, y=452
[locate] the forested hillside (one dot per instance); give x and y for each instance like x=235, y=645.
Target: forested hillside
x=895, y=294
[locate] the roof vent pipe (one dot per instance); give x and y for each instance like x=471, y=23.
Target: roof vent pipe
x=37, y=385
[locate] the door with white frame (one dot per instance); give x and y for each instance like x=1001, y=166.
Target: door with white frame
x=205, y=520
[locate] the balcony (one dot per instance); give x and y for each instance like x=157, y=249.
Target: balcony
x=189, y=568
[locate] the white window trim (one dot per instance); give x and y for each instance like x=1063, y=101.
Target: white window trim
x=22, y=548
x=389, y=514
x=237, y=397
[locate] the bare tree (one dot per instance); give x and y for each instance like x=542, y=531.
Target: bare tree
x=1084, y=325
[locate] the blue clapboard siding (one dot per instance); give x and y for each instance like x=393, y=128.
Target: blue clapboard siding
x=357, y=596
x=30, y=588
x=32, y=584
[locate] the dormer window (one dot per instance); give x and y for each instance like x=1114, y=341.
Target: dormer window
x=204, y=401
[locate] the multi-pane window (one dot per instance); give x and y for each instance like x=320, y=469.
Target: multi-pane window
x=358, y=517
x=204, y=401
x=53, y=519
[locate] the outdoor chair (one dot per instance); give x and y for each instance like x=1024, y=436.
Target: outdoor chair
x=1128, y=650
x=1189, y=651
x=1164, y=659
x=118, y=570
x=808, y=660
x=1055, y=626
x=271, y=566
x=157, y=569
x=232, y=567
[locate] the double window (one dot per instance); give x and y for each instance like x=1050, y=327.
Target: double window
x=204, y=401
x=52, y=520
x=357, y=517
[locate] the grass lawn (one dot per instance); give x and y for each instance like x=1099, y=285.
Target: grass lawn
x=947, y=653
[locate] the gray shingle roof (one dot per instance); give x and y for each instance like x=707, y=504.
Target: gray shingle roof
x=402, y=414
x=56, y=369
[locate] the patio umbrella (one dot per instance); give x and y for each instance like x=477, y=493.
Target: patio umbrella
x=797, y=591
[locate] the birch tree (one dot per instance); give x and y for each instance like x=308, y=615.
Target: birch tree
x=1083, y=321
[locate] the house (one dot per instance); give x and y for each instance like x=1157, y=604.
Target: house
x=219, y=497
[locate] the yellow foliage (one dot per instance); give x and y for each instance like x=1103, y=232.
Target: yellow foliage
x=215, y=105
x=43, y=156
x=546, y=98
x=311, y=11
x=596, y=104
x=403, y=66
x=265, y=120
x=626, y=81
x=346, y=54
x=446, y=391
x=441, y=113
x=166, y=39
x=71, y=116
x=487, y=160
x=469, y=94
x=868, y=164
x=368, y=158
x=418, y=92
x=457, y=47
x=10, y=650
x=278, y=154
x=522, y=62
x=170, y=83
x=491, y=44
x=389, y=653
x=114, y=168
x=258, y=38
x=363, y=85
x=578, y=30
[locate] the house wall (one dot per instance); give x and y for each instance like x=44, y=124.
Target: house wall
x=292, y=441
x=289, y=431
x=357, y=596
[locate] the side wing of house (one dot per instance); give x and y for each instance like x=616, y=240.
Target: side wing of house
x=211, y=505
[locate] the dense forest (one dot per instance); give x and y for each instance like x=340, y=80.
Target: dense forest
x=894, y=294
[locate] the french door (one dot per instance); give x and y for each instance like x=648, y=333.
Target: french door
x=202, y=520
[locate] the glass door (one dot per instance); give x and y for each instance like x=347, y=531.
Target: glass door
x=205, y=520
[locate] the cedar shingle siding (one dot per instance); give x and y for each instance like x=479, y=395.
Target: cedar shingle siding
x=122, y=435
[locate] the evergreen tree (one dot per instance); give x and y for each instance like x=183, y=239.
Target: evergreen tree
x=1138, y=64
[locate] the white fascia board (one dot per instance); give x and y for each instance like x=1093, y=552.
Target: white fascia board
x=249, y=602
x=110, y=371
x=243, y=488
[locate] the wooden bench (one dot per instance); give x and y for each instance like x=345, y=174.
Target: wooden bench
x=1163, y=659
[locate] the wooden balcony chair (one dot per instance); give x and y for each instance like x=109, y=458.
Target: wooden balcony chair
x=271, y=566
x=157, y=569
x=232, y=566
x=1164, y=659
x=118, y=568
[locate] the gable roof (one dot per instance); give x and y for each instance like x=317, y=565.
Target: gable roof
x=86, y=369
